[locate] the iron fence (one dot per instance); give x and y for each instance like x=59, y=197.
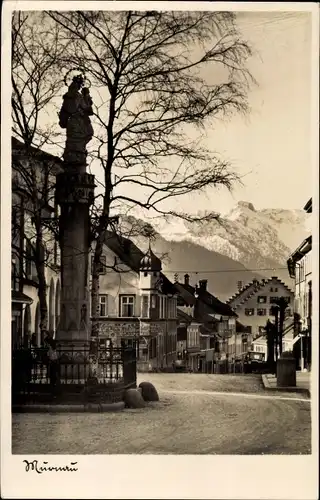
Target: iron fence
x=99, y=374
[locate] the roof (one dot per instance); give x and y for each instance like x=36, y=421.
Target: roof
x=18, y=146
x=20, y=298
x=185, y=292
x=308, y=206
x=214, y=305
x=302, y=250
x=182, y=316
x=150, y=262
x=261, y=339
x=255, y=286
x=240, y=328
x=252, y=284
x=131, y=256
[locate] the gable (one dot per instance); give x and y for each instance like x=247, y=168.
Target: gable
x=264, y=287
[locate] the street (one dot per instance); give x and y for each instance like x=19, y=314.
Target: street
x=197, y=414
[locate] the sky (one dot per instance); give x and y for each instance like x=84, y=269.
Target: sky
x=271, y=147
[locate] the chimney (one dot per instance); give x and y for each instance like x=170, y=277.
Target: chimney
x=186, y=279
x=203, y=284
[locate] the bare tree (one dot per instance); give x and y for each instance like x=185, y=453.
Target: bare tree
x=162, y=78
x=35, y=83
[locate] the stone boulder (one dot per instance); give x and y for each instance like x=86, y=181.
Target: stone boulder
x=133, y=399
x=149, y=392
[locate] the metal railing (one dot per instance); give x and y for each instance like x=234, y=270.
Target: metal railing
x=104, y=372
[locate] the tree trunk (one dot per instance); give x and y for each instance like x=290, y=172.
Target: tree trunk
x=95, y=287
x=42, y=290
x=270, y=346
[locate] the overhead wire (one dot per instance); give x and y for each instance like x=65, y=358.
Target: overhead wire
x=210, y=271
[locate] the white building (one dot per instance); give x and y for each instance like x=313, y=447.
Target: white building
x=300, y=269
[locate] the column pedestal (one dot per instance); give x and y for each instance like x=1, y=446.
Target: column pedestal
x=74, y=194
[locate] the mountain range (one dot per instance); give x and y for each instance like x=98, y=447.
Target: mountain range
x=244, y=244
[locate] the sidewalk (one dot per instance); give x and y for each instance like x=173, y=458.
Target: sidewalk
x=303, y=383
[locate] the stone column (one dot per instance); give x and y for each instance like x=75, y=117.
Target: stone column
x=74, y=194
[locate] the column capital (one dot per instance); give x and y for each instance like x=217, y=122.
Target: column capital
x=72, y=187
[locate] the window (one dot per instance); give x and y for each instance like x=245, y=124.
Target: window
x=262, y=299
x=102, y=265
x=162, y=311
x=261, y=312
x=276, y=289
x=127, y=306
x=29, y=257
x=103, y=305
x=153, y=301
x=302, y=273
x=153, y=347
x=273, y=300
x=132, y=343
x=105, y=343
x=262, y=330
x=249, y=312
x=171, y=308
x=271, y=289
x=145, y=306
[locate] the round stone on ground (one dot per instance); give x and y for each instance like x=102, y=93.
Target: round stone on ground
x=149, y=392
x=133, y=399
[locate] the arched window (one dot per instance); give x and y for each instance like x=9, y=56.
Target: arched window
x=51, y=307
x=27, y=325
x=57, y=304
x=37, y=325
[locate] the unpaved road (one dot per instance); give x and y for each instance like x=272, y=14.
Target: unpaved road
x=197, y=414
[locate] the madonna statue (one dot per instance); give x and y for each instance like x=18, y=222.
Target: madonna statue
x=74, y=117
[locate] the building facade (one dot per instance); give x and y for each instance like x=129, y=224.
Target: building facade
x=253, y=305
x=33, y=177
x=211, y=323
x=138, y=305
x=300, y=269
